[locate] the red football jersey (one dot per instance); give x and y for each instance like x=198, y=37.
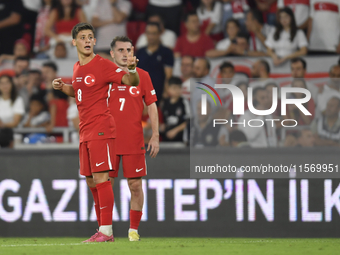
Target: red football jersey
x=92, y=88
x=126, y=105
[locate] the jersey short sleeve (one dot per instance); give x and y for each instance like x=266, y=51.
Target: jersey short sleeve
x=112, y=72
x=18, y=106
x=149, y=91
x=270, y=39
x=302, y=40
x=179, y=45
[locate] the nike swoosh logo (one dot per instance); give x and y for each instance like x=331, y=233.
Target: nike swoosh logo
x=138, y=170
x=112, y=89
x=103, y=207
x=100, y=163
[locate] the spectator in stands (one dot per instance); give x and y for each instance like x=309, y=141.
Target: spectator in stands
x=268, y=10
x=110, y=18
x=201, y=71
x=326, y=128
x=258, y=31
x=49, y=73
x=20, y=65
x=269, y=88
x=89, y=7
x=63, y=18
x=156, y=59
x=234, y=9
x=194, y=43
x=12, y=109
x=300, y=9
x=176, y=112
x=226, y=46
x=60, y=51
x=187, y=64
x=260, y=72
x=210, y=16
x=237, y=139
x=305, y=138
x=262, y=136
x=329, y=90
x=38, y=115
x=21, y=49
x=170, y=10
x=168, y=37
x=73, y=119
x=323, y=28
x=286, y=41
x=41, y=41
x=30, y=84
x=295, y=113
x=203, y=134
x=298, y=67
x=10, y=24
x=227, y=72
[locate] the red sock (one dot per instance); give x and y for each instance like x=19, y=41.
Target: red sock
x=96, y=203
x=135, y=217
x=105, y=195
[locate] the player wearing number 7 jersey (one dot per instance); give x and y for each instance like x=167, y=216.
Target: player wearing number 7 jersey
x=91, y=86
x=127, y=106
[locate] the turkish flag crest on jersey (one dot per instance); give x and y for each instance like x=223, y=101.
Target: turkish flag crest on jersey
x=134, y=91
x=89, y=80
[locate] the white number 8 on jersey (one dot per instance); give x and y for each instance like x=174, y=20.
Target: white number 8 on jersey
x=79, y=94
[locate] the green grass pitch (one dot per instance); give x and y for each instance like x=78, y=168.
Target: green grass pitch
x=177, y=246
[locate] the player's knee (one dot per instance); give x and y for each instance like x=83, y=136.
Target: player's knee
x=90, y=182
x=135, y=186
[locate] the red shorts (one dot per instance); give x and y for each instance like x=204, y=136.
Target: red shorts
x=134, y=166
x=97, y=156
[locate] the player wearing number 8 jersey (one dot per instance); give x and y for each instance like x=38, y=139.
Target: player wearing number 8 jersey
x=91, y=86
x=127, y=106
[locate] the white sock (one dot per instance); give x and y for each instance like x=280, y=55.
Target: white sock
x=131, y=229
x=106, y=230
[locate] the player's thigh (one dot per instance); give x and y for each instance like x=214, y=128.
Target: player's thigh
x=102, y=155
x=84, y=160
x=114, y=174
x=134, y=165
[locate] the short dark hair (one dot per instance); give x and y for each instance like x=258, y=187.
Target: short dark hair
x=271, y=84
x=257, y=15
x=34, y=71
x=154, y=24
x=295, y=60
x=80, y=27
x=242, y=35
x=157, y=15
x=226, y=64
x=191, y=13
x=237, y=136
x=174, y=80
x=265, y=64
x=120, y=39
x=39, y=98
x=188, y=56
x=51, y=65
x=21, y=58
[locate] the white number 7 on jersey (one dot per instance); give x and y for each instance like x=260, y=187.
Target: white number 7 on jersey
x=122, y=101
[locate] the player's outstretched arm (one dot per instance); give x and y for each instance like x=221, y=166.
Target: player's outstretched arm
x=154, y=141
x=132, y=78
x=58, y=84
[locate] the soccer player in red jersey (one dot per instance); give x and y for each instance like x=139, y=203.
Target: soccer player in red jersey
x=91, y=87
x=127, y=106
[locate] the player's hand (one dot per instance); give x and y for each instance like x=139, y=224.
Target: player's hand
x=154, y=145
x=131, y=59
x=58, y=84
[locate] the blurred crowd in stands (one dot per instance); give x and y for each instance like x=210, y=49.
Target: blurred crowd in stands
x=162, y=30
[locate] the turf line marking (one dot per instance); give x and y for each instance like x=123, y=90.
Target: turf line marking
x=46, y=244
